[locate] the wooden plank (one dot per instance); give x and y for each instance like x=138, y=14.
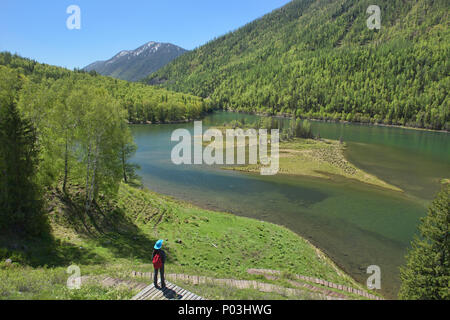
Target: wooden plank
x=152, y=293
x=171, y=286
x=183, y=293
x=191, y=296
x=154, y=296
x=180, y=292
x=177, y=292
x=144, y=295
x=149, y=293
x=162, y=296
x=188, y=296
x=136, y=297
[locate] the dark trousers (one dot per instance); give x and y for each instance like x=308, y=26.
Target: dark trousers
x=161, y=271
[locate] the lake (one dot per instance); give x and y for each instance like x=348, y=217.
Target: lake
x=355, y=224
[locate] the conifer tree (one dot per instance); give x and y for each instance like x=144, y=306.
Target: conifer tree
x=426, y=275
x=20, y=209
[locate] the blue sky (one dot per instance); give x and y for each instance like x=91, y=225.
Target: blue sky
x=37, y=29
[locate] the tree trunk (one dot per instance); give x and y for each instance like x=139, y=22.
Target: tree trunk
x=125, y=178
x=66, y=167
x=88, y=165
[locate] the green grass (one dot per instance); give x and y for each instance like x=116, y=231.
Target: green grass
x=316, y=158
x=224, y=245
x=197, y=242
x=23, y=283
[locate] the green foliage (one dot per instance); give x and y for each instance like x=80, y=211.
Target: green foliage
x=20, y=206
x=79, y=122
x=302, y=129
x=143, y=103
x=318, y=59
x=426, y=275
x=127, y=149
x=296, y=128
x=24, y=283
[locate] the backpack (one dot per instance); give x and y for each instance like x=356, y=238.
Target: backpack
x=157, y=261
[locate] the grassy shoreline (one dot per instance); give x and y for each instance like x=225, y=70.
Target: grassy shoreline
x=197, y=241
x=319, y=158
x=368, y=124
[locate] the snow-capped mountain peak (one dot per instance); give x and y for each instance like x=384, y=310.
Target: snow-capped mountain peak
x=138, y=63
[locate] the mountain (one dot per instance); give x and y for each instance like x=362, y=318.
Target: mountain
x=319, y=59
x=137, y=64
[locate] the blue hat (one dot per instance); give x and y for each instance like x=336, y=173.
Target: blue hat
x=158, y=244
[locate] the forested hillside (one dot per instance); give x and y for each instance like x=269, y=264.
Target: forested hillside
x=142, y=103
x=60, y=129
x=319, y=59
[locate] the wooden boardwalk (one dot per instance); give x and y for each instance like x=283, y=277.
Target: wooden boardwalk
x=170, y=292
x=275, y=275
x=315, y=288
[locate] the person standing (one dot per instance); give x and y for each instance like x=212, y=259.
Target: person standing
x=159, y=259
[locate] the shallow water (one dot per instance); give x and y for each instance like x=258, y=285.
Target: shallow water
x=355, y=224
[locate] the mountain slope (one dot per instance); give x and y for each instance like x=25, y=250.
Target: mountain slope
x=319, y=59
x=143, y=103
x=136, y=64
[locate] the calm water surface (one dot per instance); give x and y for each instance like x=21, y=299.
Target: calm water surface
x=355, y=224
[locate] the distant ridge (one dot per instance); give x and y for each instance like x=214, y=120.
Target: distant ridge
x=134, y=65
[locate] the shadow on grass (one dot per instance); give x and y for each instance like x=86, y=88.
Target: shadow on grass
x=105, y=228
x=125, y=239
x=45, y=251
